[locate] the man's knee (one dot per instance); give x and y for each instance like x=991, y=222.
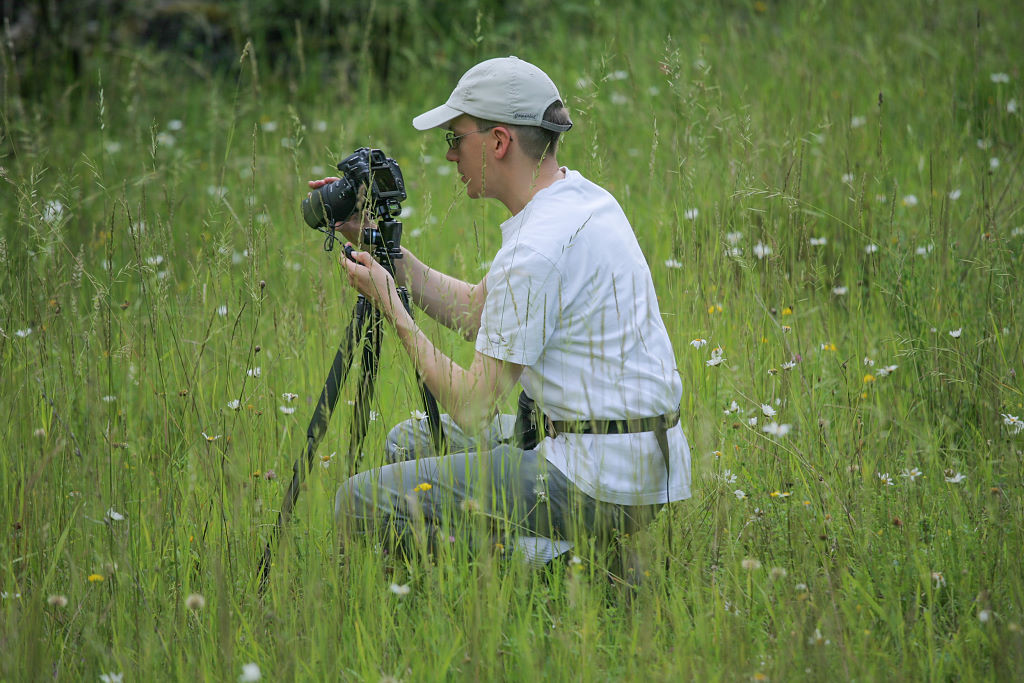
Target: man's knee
x=408, y=440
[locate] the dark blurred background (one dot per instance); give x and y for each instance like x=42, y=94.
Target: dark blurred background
x=50, y=43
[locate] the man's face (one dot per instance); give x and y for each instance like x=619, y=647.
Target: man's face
x=469, y=154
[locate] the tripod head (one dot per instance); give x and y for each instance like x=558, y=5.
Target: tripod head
x=384, y=238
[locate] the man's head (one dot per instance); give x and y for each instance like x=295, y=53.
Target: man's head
x=511, y=93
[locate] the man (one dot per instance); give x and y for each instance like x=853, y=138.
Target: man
x=567, y=309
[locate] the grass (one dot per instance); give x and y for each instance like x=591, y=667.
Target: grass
x=147, y=265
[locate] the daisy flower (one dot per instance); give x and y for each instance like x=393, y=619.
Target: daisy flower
x=954, y=477
x=1015, y=424
x=775, y=429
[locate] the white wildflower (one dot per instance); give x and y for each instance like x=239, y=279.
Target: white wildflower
x=762, y=250
x=114, y=516
x=1015, y=424
x=698, y=343
x=673, y=263
x=250, y=673
x=819, y=241
x=53, y=211
x=955, y=334
x=767, y=410
x=912, y=474
x=716, y=357
x=691, y=214
x=399, y=589
x=775, y=429
x=886, y=479
x=1000, y=77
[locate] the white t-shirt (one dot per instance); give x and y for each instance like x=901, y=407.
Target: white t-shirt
x=570, y=296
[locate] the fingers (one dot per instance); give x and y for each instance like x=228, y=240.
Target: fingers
x=320, y=183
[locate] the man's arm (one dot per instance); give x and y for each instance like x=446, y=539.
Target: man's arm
x=470, y=395
x=448, y=300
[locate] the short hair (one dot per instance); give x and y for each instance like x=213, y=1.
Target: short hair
x=535, y=141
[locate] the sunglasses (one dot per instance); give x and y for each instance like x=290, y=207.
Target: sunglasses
x=454, y=140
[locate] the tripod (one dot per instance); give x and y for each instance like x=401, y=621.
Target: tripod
x=364, y=329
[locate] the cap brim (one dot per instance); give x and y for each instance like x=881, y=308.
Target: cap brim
x=435, y=118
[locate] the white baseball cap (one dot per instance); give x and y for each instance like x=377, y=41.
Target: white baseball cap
x=506, y=90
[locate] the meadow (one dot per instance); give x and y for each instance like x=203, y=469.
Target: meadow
x=829, y=195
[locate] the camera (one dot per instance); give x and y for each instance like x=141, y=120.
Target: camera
x=365, y=168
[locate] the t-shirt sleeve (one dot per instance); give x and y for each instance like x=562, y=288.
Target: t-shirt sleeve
x=521, y=308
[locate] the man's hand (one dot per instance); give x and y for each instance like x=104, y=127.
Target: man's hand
x=372, y=281
x=351, y=228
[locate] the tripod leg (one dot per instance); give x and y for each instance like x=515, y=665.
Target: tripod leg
x=364, y=391
x=429, y=402
x=317, y=428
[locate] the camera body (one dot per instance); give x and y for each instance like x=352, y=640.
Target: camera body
x=365, y=168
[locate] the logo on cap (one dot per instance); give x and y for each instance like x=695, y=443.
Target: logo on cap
x=521, y=115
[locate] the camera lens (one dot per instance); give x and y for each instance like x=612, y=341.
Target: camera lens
x=329, y=204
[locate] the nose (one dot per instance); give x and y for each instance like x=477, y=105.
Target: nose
x=452, y=154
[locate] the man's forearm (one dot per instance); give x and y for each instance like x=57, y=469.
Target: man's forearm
x=448, y=300
x=466, y=399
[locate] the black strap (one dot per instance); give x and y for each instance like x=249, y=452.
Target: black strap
x=659, y=425
x=530, y=421
x=631, y=426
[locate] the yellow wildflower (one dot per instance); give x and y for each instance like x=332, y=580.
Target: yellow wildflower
x=95, y=577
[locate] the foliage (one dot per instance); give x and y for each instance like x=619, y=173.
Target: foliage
x=829, y=195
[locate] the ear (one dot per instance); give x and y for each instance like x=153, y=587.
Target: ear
x=502, y=140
